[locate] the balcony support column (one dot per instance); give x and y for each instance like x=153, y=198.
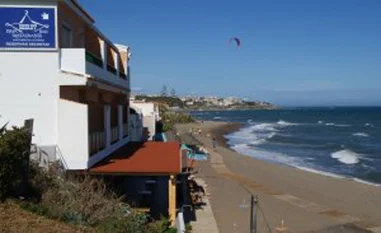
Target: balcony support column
x=116, y=59
x=107, y=124
x=104, y=54
x=120, y=121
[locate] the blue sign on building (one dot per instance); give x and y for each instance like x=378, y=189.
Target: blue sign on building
x=27, y=28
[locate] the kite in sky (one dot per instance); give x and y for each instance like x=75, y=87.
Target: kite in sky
x=236, y=40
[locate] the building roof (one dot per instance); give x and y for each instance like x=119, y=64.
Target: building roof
x=76, y=3
x=137, y=158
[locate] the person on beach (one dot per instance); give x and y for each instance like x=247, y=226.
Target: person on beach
x=214, y=144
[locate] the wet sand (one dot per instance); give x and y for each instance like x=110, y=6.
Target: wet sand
x=306, y=201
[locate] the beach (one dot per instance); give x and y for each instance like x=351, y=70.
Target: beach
x=306, y=201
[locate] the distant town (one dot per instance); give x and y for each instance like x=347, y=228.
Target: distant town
x=205, y=102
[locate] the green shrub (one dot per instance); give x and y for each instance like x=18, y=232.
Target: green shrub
x=14, y=155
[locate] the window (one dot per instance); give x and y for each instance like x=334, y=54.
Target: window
x=66, y=36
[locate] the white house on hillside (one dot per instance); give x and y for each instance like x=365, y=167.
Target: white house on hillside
x=57, y=68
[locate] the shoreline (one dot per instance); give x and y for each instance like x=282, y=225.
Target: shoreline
x=231, y=127
x=306, y=200
x=220, y=132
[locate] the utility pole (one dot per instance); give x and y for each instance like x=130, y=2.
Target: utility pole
x=253, y=214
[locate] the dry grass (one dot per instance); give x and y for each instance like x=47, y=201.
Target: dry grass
x=86, y=200
x=15, y=220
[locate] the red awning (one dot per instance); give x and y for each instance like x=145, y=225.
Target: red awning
x=155, y=158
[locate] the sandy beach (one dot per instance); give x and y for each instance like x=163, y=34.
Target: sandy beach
x=306, y=201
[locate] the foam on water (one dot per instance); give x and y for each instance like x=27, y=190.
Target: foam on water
x=285, y=123
x=266, y=155
x=337, y=125
x=320, y=172
x=366, y=182
x=360, y=134
x=346, y=156
x=264, y=127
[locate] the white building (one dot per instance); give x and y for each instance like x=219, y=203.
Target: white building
x=59, y=69
x=150, y=115
x=136, y=125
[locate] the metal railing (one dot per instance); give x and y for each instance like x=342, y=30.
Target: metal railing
x=61, y=158
x=125, y=129
x=97, y=141
x=114, y=134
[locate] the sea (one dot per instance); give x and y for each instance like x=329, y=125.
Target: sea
x=341, y=142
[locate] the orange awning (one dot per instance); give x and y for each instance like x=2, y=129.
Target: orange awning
x=148, y=158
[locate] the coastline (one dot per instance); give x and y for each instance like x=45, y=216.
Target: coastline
x=220, y=132
x=231, y=127
x=308, y=200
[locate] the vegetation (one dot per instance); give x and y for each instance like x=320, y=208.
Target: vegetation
x=82, y=201
x=170, y=118
x=167, y=100
x=14, y=149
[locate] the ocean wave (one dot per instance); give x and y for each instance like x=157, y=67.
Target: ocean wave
x=217, y=118
x=320, y=122
x=285, y=123
x=264, y=127
x=366, y=182
x=369, y=125
x=267, y=155
x=360, y=134
x=346, y=156
x=240, y=146
x=253, y=135
x=258, y=142
x=338, y=125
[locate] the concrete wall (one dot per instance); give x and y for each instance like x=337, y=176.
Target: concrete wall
x=28, y=89
x=136, y=127
x=150, y=116
x=73, y=133
x=149, y=123
x=67, y=17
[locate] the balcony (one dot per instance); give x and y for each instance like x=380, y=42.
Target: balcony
x=114, y=134
x=125, y=130
x=97, y=142
x=79, y=61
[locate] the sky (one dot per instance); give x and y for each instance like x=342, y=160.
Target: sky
x=293, y=53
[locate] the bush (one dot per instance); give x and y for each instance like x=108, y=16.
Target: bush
x=171, y=118
x=14, y=156
x=83, y=201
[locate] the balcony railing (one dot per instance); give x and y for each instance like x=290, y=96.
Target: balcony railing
x=125, y=129
x=122, y=75
x=94, y=59
x=80, y=61
x=97, y=142
x=114, y=134
x=111, y=69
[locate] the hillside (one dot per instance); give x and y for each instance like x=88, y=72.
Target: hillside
x=207, y=103
x=13, y=219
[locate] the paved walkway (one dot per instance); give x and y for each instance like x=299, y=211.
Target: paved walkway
x=205, y=223
x=205, y=220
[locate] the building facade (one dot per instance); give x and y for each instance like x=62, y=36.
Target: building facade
x=57, y=68
x=150, y=116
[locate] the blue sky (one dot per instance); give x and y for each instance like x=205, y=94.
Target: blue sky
x=293, y=52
